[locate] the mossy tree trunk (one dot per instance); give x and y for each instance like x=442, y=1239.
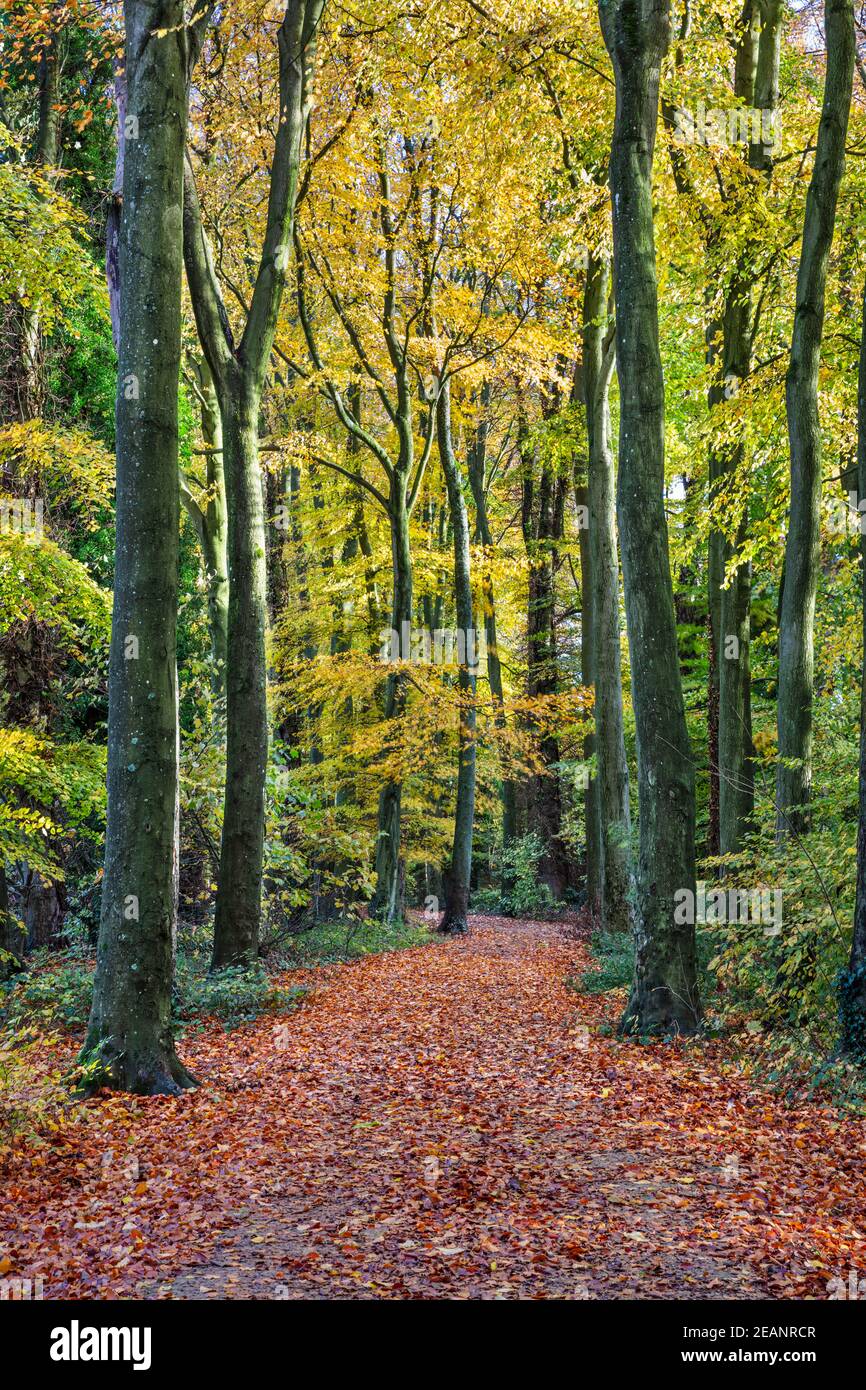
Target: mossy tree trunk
x=613, y=780
x=852, y=984
x=129, y=1040
x=803, y=542
x=664, y=995
x=209, y=516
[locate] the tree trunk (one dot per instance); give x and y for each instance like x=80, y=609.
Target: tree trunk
x=43, y=910
x=129, y=1042
x=730, y=603
x=387, y=902
x=852, y=984
x=477, y=458
x=211, y=523
x=664, y=995
x=588, y=675
x=543, y=794
x=756, y=84
x=803, y=544
x=11, y=935
x=715, y=580
x=613, y=781
x=238, y=908
x=454, y=918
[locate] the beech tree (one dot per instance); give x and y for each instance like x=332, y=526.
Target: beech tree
x=852, y=982
x=664, y=994
x=613, y=779
x=460, y=868
x=239, y=371
x=129, y=1043
x=403, y=471
x=803, y=541
x=477, y=468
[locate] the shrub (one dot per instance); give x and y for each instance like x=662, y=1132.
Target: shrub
x=613, y=959
x=235, y=995
x=521, y=893
x=339, y=939
x=59, y=995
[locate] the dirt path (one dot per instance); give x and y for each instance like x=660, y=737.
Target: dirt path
x=449, y=1122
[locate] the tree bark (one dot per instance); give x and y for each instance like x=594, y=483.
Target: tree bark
x=238, y=907
x=454, y=918
x=664, y=996
x=11, y=935
x=803, y=543
x=756, y=84
x=544, y=794
x=588, y=676
x=210, y=522
x=129, y=1042
x=387, y=902
x=613, y=780
x=477, y=460
x=852, y=984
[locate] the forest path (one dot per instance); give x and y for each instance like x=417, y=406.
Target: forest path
x=448, y=1122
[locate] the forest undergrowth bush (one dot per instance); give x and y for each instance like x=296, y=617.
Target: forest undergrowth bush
x=773, y=940
x=520, y=891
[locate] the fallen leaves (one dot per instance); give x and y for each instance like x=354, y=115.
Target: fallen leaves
x=427, y=1128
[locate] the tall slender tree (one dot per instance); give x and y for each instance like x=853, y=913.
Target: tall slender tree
x=239, y=371
x=664, y=995
x=803, y=542
x=852, y=983
x=756, y=85
x=588, y=676
x=129, y=1042
x=613, y=781
x=205, y=505
x=478, y=484
x=460, y=869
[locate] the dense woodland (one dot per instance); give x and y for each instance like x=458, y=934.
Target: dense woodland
x=432, y=463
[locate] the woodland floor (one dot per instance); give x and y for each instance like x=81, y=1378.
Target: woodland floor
x=438, y=1122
